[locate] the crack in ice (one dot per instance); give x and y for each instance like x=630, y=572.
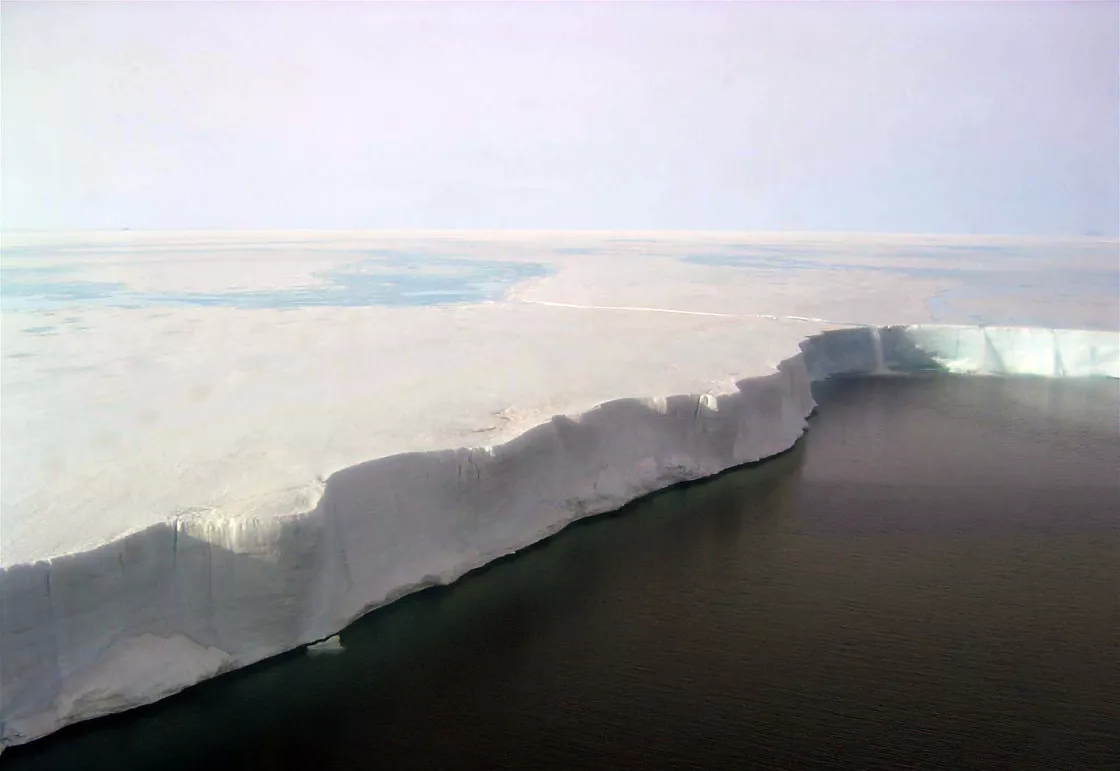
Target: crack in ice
x=765, y=316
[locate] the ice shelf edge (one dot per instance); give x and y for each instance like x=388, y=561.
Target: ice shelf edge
x=153, y=612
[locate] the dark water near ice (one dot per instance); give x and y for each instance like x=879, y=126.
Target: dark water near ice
x=931, y=579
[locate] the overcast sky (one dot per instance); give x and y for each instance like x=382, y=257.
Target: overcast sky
x=960, y=117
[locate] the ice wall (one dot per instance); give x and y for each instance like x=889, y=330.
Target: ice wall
x=963, y=350
x=158, y=610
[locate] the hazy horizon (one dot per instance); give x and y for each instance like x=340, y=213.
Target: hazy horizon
x=924, y=119
x=575, y=231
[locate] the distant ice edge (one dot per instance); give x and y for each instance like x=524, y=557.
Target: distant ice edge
x=158, y=610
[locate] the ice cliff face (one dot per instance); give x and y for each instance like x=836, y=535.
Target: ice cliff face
x=158, y=610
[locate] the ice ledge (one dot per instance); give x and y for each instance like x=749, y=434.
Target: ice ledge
x=156, y=611
x=963, y=350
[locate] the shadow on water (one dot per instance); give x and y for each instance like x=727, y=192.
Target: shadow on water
x=926, y=580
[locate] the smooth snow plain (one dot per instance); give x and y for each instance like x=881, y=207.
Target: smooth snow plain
x=219, y=447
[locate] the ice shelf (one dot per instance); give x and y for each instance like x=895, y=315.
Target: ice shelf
x=144, y=616
x=219, y=447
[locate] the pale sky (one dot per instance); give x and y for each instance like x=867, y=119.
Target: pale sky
x=962, y=117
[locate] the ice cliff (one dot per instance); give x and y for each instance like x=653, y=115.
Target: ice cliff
x=160, y=609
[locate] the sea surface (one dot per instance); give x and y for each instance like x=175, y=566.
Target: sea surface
x=929, y=579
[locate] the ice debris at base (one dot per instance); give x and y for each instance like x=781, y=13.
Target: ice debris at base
x=151, y=613
x=329, y=646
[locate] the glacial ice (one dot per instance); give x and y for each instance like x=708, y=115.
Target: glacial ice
x=148, y=614
x=189, y=490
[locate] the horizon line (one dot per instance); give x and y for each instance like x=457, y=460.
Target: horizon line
x=559, y=232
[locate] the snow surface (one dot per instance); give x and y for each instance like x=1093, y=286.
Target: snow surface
x=205, y=466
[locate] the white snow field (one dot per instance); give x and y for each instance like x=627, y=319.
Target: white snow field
x=219, y=447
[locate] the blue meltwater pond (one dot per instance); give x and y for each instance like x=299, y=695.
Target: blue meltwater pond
x=380, y=277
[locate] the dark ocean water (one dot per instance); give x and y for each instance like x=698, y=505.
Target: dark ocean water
x=930, y=579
